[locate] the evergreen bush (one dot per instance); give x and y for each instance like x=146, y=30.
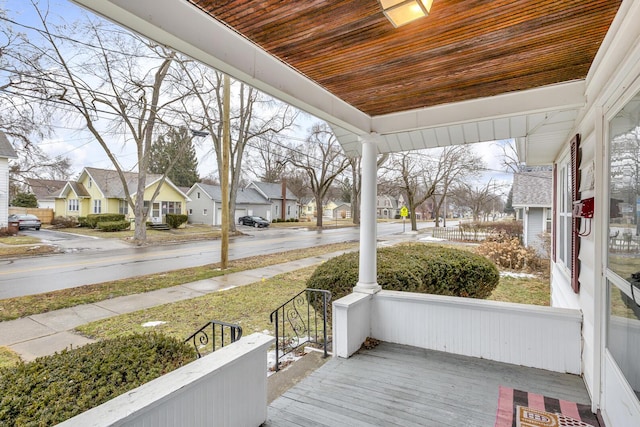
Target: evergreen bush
x=54, y=388
x=176, y=220
x=94, y=219
x=413, y=268
x=113, y=225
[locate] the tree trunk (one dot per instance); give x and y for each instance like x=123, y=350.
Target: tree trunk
x=319, y=210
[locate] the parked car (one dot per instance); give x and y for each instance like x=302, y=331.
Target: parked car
x=255, y=221
x=26, y=221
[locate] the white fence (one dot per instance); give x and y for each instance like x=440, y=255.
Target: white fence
x=225, y=388
x=539, y=337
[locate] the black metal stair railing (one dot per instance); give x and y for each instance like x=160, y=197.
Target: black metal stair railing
x=300, y=321
x=226, y=332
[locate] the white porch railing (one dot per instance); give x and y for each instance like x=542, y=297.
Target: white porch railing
x=541, y=337
x=225, y=388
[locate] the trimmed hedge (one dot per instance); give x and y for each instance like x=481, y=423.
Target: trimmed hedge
x=113, y=225
x=413, y=268
x=176, y=220
x=92, y=220
x=54, y=388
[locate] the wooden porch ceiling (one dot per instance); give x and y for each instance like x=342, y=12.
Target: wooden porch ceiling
x=465, y=49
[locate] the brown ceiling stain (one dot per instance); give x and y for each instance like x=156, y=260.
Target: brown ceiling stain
x=463, y=50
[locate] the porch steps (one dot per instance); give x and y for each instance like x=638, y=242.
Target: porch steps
x=163, y=227
x=281, y=381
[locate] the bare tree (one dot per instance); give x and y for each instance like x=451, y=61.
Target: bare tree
x=480, y=199
x=110, y=74
x=322, y=159
x=270, y=158
x=510, y=159
x=253, y=116
x=22, y=119
x=458, y=163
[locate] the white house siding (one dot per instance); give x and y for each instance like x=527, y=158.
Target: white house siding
x=534, y=227
x=612, y=81
x=4, y=192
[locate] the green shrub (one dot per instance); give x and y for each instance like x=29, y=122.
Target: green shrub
x=413, y=268
x=54, y=388
x=83, y=221
x=113, y=225
x=94, y=219
x=176, y=220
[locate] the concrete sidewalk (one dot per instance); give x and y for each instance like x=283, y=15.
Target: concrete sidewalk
x=44, y=334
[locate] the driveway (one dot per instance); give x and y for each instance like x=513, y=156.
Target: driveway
x=70, y=242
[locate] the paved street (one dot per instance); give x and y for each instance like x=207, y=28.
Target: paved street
x=89, y=261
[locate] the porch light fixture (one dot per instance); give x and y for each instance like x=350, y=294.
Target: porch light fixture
x=401, y=12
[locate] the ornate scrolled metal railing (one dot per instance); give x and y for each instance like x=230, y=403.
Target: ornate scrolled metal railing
x=226, y=332
x=301, y=320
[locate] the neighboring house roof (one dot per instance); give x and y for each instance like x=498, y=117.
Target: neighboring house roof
x=246, y=196
x=343, y=204
x=46, y=188
x=6, y=149
x=533, y=189
x=392, y=200
x=110, y=185
x=76, y=187
x=273, y=190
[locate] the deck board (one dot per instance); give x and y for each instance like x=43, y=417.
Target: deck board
x=406, y=386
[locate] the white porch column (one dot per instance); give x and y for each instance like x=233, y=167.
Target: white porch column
x=367, y=279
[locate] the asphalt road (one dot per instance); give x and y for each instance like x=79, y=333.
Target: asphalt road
x=89, y=261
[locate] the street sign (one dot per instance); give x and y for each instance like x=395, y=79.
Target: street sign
x=404, y=212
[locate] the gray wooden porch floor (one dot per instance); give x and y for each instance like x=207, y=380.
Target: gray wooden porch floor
x=394, y=385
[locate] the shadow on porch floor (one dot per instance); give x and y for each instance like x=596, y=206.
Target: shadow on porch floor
x=407, y=386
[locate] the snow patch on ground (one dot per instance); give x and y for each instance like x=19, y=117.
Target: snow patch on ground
x=431, y=239
x=153, y=324
x=517, y=275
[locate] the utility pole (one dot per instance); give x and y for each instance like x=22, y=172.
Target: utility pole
x=224, y=176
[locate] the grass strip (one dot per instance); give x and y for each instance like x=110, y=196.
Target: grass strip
x=13, y=308
x=248, y=306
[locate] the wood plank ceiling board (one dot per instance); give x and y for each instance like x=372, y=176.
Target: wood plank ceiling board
x=442, y=136
x=471, y=132
x=456, y=134
x=486, y=130
x=465, y=49
x=518, y=126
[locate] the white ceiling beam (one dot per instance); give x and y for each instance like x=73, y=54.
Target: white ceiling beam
x=562, y=96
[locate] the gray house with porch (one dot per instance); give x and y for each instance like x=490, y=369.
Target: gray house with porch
x=205, y=206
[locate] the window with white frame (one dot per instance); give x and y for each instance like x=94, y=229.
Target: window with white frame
x=563, y=238
x=123, y=207
x=204, y=212
x=74, y=206
x=97, y=206
x=174, y=207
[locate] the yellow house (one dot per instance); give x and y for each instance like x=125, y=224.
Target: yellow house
x=101, y=191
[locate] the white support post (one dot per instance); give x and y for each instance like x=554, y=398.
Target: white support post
x=367, y=279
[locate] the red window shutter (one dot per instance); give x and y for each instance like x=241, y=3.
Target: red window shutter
x=576, y=157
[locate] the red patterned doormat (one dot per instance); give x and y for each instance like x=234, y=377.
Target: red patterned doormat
x=518, y=408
